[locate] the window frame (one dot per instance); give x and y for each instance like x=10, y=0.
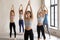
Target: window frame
x=53, y=5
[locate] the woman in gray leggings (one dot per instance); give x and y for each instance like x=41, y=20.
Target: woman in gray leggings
x=46, y=20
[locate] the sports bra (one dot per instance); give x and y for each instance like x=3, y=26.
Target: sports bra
x=40, y=19
x=20, y=16
x=28, y=23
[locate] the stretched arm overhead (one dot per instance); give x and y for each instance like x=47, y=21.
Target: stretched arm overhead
x=30, y=5
x=37, y=14
x=41, y=8
x=26, y=11
x=21, y=7
x=30, y=8
x=24, y=16
x=46, y=9
x=26, y=8
x=27, y=5
x=12, y=8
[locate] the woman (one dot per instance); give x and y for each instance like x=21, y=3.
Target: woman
x=21, y=23
x=28, y=21
x=40, y=18
x=12, y=23
x=46, y=20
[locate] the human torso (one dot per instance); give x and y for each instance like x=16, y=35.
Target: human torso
x=11, y=18
x=28, y=23
x=20, y=16
x=40, y=19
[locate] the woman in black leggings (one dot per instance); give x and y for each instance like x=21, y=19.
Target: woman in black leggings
x=12, y=23
x=28, y=21
x=40, y=18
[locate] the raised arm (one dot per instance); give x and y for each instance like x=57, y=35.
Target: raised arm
x=40, y=9
x=24, y=16
x=12, y=7
x=37, y=14
x=26, y=11
x=26, y=7
x=46, y=9
x=30, y=8
x=30, y=5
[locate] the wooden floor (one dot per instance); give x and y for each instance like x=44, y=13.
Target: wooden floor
x=21, y=37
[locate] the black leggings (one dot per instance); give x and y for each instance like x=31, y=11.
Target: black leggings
x=41, y=28
x=28, y=33
x=12, y=25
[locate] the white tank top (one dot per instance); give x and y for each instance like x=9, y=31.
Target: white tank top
x=20, y=16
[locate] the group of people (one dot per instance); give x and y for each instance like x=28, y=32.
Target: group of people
x=26, y=19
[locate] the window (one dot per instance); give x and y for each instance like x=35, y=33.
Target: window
x=53, y=13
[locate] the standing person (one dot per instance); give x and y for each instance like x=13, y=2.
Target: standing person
x=12, y=23
x=46, y=20
x=21, y=23
x=28, y=16
x=40, y=18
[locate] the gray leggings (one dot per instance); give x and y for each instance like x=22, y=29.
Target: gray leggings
x=47, y=28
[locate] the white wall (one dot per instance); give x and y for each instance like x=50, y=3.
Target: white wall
x=59, y=14
x=5, y=6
